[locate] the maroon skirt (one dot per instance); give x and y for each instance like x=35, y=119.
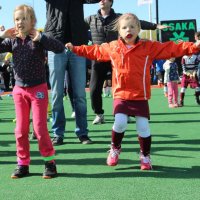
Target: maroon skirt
x=186, y=80
x=132, y=107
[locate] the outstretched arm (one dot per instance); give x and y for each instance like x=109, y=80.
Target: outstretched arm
x=145, y=25
x=91, y=1
x=92, y=52
x=170, y=49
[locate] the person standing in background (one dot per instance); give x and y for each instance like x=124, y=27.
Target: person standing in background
x=171, y=79
x=65, y=22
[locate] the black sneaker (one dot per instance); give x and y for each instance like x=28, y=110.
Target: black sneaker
x=181, y=104
x=198, y=100
x=50, y=170
x=84, y=139
x=56, y=141
x=20, y=171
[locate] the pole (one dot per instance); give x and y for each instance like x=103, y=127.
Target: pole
x=150, y=19
x=157, y=20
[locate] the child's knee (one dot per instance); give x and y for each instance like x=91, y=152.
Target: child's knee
x=120, y=123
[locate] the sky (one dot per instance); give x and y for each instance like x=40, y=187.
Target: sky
x=168, y=10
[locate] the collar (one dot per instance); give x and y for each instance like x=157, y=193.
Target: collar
x=110, y=13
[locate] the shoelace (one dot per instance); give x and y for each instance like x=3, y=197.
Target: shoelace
x=114, y=152
x=145, y=159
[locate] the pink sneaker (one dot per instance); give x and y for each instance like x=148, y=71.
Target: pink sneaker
x=113, y=156
x=171, y=105
x=145, y=162
x=175, y=105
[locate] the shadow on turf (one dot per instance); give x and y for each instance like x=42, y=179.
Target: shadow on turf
x=175, y=121
x=5, y=120
x=172, y=113
x=157, y=172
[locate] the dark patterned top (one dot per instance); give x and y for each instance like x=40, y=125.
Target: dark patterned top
x=29, y=57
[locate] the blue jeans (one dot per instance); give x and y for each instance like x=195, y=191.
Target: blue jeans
x=76, y=68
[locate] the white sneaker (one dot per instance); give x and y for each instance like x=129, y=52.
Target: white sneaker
x=99, y=119
x=145, y=162
x=73, y=115
x=129, y=119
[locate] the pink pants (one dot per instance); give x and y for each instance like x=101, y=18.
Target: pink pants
x=35, y=99
x=172, y=92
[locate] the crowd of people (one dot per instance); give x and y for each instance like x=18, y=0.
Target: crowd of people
x=117, y=54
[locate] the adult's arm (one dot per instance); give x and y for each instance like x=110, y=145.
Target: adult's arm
x=84, y=1
x=91, y=1
x=145, y=25
x=87, y=22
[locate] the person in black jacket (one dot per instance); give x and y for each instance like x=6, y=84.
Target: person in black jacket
x=101, y=27
x=6, y=74
x=65, y=22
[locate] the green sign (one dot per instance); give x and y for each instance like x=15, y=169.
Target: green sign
x=179, y=30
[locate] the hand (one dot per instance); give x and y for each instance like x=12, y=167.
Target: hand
x=179, y=41
x=69, y=46
x=9, y=33
x=2, y=28
x=160, y=27
x=194, y=74
x=197, y=43
x=35, y=35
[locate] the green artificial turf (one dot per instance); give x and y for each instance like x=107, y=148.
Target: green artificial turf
x=83, y=174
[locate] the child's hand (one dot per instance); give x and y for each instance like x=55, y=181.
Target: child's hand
x=197, y=43
x=2, y=28
x=179, y=41
x=9, y=33
x=194, y=74
x=35, y=35
x=69, y=46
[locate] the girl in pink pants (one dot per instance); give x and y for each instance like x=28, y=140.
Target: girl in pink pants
x=28, y=47
x=171, y=77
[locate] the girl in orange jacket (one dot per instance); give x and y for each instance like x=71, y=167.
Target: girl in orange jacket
x=131, y=60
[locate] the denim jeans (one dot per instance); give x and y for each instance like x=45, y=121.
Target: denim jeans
x=76, y=68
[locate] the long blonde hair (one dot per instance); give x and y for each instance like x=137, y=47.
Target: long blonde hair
x=116, y=25
x=28, y=10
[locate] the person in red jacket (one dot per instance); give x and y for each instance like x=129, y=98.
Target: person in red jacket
x=131, y=59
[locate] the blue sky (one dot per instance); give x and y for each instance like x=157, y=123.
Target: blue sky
x=168, y=10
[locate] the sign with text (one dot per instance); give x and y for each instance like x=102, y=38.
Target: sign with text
x=179, y=30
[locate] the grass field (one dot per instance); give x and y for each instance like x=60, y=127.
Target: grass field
x=83, y=174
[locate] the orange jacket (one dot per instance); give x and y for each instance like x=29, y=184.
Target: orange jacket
x=131, y=66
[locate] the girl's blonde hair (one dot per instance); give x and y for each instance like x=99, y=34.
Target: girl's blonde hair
x=116, y=25
x=28, y=10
